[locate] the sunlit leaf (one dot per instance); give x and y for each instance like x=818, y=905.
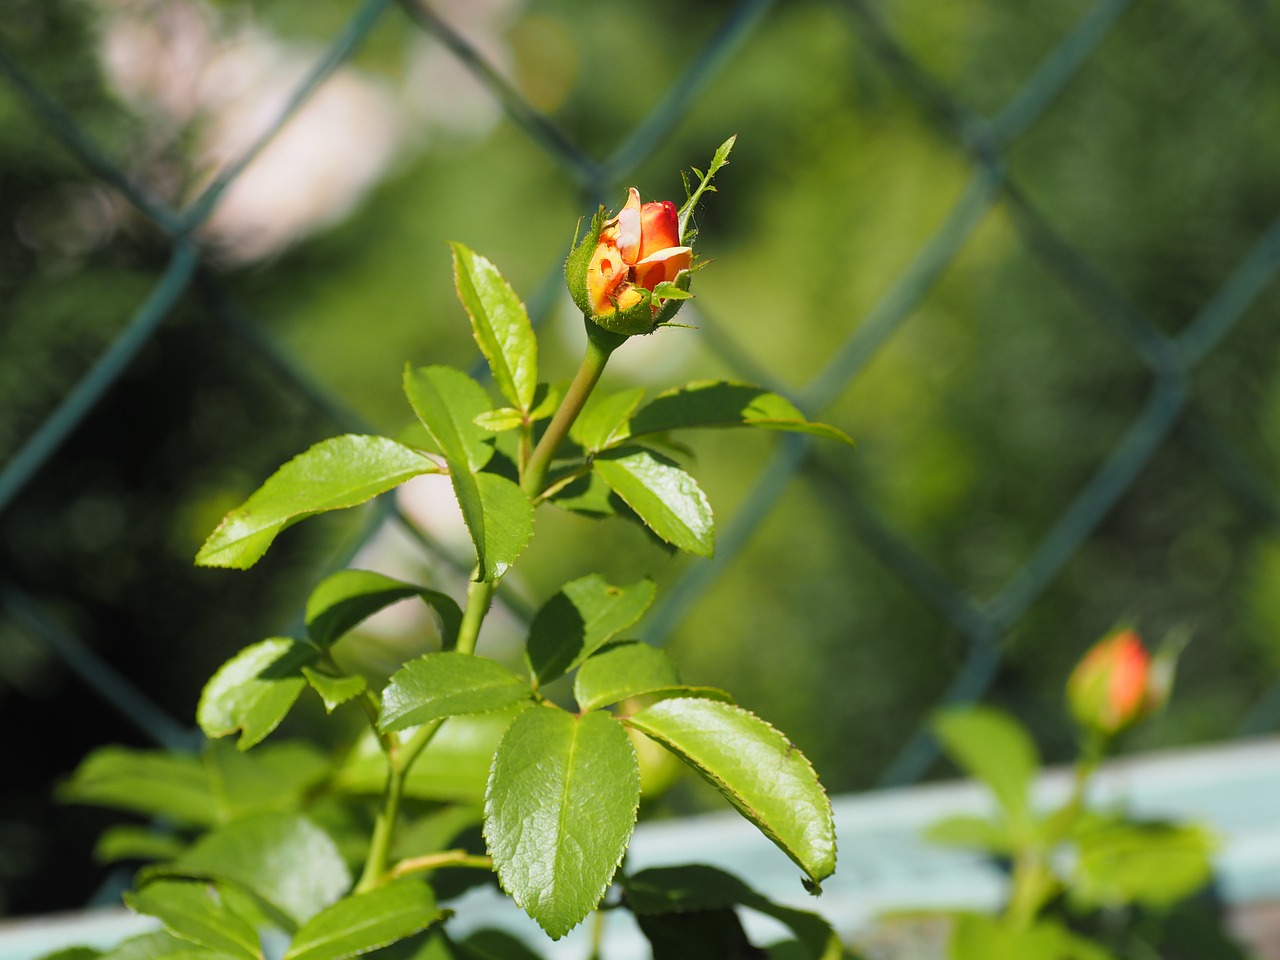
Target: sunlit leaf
x=623, y=670
x=254, y=690
x=335, y=689
x=559, y=812
x=578, y=620
x=603, y=416
x=666, y=498
x=500, y=323
x=1153, y=864
x=756, y=768
x=500, y=420
x=441, y=685
x=447, y=401
x=332, y=475
x=283, y=858
x=366, y=921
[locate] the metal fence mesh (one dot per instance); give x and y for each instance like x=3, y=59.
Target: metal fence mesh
x=983, y=622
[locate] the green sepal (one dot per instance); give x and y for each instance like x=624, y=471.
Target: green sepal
x=579, y=260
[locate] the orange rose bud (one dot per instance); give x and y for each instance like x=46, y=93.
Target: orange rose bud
x=1113, y=685
x=614, y=271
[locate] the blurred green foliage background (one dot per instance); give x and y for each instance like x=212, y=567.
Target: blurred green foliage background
x=1010, y=381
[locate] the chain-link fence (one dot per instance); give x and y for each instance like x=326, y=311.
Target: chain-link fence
x=1171, y=352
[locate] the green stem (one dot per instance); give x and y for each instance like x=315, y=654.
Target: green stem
x=600, y=344
x=400, y=757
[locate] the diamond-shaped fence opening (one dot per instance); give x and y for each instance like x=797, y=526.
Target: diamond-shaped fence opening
x=965, y=599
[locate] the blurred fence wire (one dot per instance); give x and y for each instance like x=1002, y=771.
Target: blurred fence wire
x=984, y=622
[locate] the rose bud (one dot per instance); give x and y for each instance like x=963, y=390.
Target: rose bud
x=614, y=270
x=1114, y=686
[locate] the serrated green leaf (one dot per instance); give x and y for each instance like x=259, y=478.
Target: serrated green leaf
x=254, y=690
x=756, y=768
x=151, y=782
x=990, y=746
x=274, y=778
x=604, y=415
x=454, y=770
x=130, y=842
x=722, y=403
x=500, y=323
x=1152, y=864
x=559, y=811
x=666, y=498
x=440, y=685
x=366, y=921
x=581, y=618
x=498, y=515
x=335, y=690
x=344, y=599
x=500, y=420
x=623, y=670
x=332, y=475
x=503, y=525
x=976, y=832
x=283, y=858
x=447, y=401
x=196, y=912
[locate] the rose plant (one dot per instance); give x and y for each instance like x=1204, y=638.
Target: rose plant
x=469, y=770
x=1076, y=859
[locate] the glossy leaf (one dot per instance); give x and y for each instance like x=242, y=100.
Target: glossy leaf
x=332, y=475
x=502, y=526
x=666, y=498
x=581, y=618
x=604, y=417
x=283, y=858
x=722, y=403
x=195, y=912
x=447, y=684
x=344, y=599
x=335, y=689
x=366, y=921
x=623, y=670
x=990, y=746
x=150, y=782
x=254, y=690
x=497, y=513
x=500, y=323
x=447, y=401
x=559, y=811
x=757, y=770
